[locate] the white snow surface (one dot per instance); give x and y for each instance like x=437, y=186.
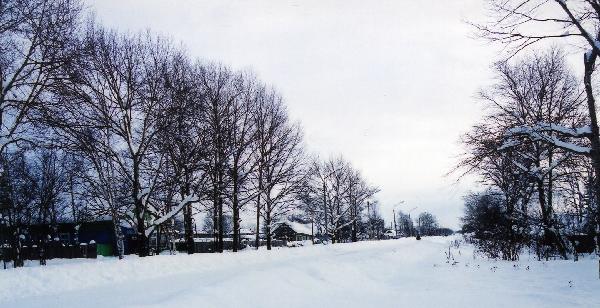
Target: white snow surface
x=392, y=273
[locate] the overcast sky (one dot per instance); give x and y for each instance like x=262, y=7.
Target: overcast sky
x=390, y=85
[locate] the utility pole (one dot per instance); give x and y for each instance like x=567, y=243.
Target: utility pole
x=395, y=227
x=394, y=213
x=412, y=228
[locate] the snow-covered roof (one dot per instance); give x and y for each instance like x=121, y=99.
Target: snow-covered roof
x=246, y=231
x=301, y=228
x=298, y=227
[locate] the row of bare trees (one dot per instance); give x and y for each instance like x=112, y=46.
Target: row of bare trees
x=335, y=197
x=146, y=135
x=35, y=45
x=538, y=147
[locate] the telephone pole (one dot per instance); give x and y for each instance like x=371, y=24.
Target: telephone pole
x=395, y=227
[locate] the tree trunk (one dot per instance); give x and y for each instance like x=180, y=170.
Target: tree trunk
x=236, y=213
x=72, y=193
x=257, y=241
x=221, y=223
x=18, y=260
x=118, y=237
x=325, y=208
x=157, y=242
x=257, y=238
x=143, y=249
x=354, y=231
x=268, y=222
x=268, y=231
x=354, y=212
x=589, y=63
x=189, y=232
x=236, y=227
x=187, y=222
x=236, y=230
x=312, y=228
x=547, y=239
x=215, y=219
x=550, y=236
x=139, y=212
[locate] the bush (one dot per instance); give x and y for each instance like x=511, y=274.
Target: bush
x=494, y=232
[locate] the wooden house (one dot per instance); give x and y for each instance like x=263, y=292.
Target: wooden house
x=292, y=231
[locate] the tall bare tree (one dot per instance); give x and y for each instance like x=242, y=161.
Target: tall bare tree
x=242, y=149
x=117, y=88
x=536, y=91
x=221, y=88
x=280, y=162
x=183, y=140
x=522, y=23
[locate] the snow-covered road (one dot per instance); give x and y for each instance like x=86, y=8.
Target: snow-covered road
x=394, y=273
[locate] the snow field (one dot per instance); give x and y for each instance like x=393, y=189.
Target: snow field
x=394, y=273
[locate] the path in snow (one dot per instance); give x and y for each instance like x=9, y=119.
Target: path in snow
x=393, y=273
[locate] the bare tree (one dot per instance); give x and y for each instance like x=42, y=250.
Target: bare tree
x=221, y=90
x=242, y=149
x=521, y=23
x=535, y=91
x=18, y=195
x=313, y=197
x=338, y=209
x=358, y=194
x=36, y=39
x=183, y=140
x=280, y=171
x=336, y=195
x=427, y=224
x=115, y=92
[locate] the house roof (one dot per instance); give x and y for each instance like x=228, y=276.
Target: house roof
x=298, y=227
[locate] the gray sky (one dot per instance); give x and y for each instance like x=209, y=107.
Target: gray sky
x=388, y=84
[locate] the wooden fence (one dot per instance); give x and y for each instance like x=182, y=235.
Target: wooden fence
x=50, y=251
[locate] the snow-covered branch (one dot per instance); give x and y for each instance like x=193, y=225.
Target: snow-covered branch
x=577, y=132
x=170, y=214
x=539, y=132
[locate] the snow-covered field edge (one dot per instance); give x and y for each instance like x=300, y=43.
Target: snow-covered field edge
x=391, y=272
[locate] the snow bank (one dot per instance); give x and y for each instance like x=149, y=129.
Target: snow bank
x=391, y=273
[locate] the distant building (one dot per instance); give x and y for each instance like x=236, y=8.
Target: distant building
x=292, y=231
x=247, y=234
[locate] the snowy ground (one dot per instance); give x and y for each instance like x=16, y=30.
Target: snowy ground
x=391, y=273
